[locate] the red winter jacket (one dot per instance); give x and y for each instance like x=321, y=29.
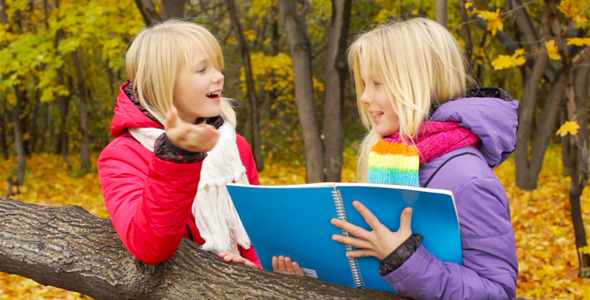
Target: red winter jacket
x=149, y=199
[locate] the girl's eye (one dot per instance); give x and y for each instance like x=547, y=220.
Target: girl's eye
x=376, y=83
x=201, y=70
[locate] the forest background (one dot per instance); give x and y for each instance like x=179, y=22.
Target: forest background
x=61, y=63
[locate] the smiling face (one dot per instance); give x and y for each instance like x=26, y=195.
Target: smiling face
x=197, y=91
x=376, y=100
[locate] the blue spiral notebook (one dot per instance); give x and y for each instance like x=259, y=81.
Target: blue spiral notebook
x=294, y=221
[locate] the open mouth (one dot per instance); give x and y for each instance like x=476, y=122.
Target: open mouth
x=213, y=95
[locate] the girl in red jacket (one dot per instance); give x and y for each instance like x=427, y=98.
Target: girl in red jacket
x=163, y=176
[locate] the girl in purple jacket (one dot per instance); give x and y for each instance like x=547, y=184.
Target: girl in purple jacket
x=423, y=129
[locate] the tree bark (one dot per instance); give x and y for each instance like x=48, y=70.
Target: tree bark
x=441, y=12
x=578, y=144
x=148, y=12
x=3, y=142
x=295, y=29
x=253, y=98
x=466, y=32
x=66, y=247
x=336, y=74
x=173, y=9
x=526, y=117
x=18, y=135
x=84, y=143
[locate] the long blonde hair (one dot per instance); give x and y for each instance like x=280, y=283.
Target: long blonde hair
x=420, y=64
x=156, y=56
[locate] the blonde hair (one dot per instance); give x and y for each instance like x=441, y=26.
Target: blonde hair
x=419, y=63
x=156, y=56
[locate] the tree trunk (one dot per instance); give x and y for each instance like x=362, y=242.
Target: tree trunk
x=578, y=144
x=466, y=32
x=441, y=12
x=582, y=82
x=18, y=136
x=62, y=140
x=84, y=143
x=66, y=247
x=34, y=123
x=527, y=112
x=3, y=16
x=148, y=12
x=173, y=9
x=253, y=98
x=295, y=28
x=3, y=142
x=336, y=73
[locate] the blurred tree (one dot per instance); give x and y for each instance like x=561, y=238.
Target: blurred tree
x=323, y=160
x=48, y=48
x=251, y=91
x=556, y=72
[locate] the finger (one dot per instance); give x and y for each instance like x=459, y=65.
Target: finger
x=355, y=242
x=281, y=264
x=298, y=269
x=349, y=227
x=171, y=118
x=405, y=222
x=360, y=253
x=369, y=217
x=224, y=255
x=289, y=266
x=275, y=263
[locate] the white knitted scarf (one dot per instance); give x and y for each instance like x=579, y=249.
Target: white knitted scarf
x=215, y=214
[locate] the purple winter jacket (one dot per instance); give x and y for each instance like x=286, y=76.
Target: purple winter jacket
x=490, y=265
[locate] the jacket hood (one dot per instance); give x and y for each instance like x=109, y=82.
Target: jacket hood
x=493, y=120
x=127, y=114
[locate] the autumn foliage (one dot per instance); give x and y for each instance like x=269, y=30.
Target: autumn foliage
x=546, y=250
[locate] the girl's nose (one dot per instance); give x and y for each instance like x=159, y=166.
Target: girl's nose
x=365, y=97
x=218, y=77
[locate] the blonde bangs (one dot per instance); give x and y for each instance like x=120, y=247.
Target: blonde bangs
x=419, y=63
x=157, y=55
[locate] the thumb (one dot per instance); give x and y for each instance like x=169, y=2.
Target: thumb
x=405, y=222
x=171, y=118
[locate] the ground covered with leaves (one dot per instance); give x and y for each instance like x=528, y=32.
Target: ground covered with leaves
x=544, y=231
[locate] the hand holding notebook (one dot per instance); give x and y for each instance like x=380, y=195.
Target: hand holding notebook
x=294, y=221
x=379, y=242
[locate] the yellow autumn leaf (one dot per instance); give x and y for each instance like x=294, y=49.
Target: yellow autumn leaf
x=570, y=127
x=552, y=50
x=509, y=61
x=569, y=9
x=250, y=34
x=493, y=18
x=579, y=41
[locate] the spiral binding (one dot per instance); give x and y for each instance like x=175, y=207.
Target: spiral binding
x=357, y=277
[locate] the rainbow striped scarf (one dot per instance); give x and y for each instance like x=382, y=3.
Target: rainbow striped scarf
x=392, y=161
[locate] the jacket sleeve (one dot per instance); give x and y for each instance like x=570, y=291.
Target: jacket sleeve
x=248, y=159
x=490, y=266
x=252, y=173
x=149, y=200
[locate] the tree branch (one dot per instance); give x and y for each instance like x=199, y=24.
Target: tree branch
x=67, y=247
x=148, y=11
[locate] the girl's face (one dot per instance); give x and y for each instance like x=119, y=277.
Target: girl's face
x=197, y=92
x=379, y=107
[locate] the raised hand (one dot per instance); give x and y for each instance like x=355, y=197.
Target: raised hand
x=190, y=137
x=378, y=243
